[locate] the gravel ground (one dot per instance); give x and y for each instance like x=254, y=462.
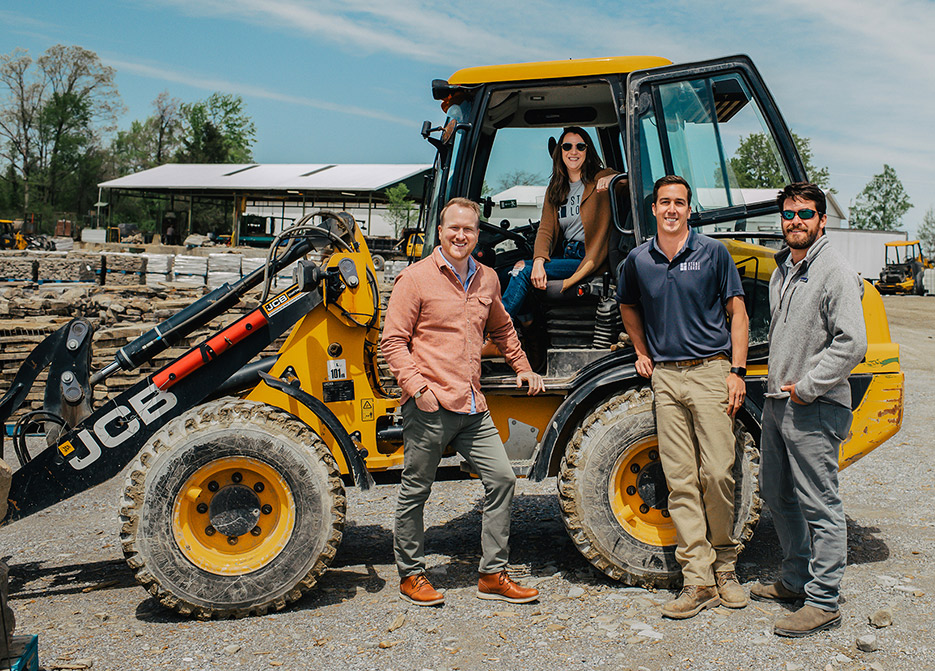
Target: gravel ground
x=69, y=583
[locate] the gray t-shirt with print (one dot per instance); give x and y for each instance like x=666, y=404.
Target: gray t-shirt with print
x=569, y=214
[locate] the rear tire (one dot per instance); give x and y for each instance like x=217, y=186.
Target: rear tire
x=234, y=508
x=613, y=496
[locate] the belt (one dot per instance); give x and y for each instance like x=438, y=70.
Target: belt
x=694, y=362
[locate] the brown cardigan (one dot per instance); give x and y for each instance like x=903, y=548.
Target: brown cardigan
x=595, y=216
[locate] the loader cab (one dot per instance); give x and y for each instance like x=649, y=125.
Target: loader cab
x=647, y=118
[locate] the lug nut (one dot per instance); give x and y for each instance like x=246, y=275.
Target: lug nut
x=232, y=540
x=267, y=509
x=665, y=513
x=202, y=508
x=644, y=508
x=631, y=490
x=213, y=486
x=236, y=477
x=653, y=455
x=634, y=468
x=258, y=487
x=256, y=531
x=209, y=531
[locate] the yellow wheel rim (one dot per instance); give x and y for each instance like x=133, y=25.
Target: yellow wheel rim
x=637, y=468
x=233, y=516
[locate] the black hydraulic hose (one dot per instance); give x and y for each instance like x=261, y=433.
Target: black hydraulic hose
x=199, y=313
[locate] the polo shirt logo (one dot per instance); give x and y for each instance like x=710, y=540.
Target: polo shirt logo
x=690, y=265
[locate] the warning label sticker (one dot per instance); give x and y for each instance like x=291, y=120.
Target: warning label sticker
x=366, y=409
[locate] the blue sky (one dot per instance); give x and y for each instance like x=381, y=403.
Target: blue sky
x=348, y=81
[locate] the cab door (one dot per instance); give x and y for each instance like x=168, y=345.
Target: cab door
x=696, y=120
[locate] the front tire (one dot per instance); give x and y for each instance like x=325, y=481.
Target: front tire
x=613, y=494
x=234, y=508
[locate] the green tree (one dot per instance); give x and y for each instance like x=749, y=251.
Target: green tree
x=150, y=143
x=926, y=233
x=882, y=203
x=52, y=112
x=756, y=163
x=399, y=208
x=217, y=130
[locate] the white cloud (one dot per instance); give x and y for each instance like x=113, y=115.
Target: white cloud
x=155, y=71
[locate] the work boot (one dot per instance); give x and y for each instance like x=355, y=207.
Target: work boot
x=500, y=586
x=729, y=590
x=418, y=590
x=806, y=621
x=691, y=600
x=776, y=592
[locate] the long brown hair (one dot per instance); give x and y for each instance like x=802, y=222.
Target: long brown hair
x=557, y=192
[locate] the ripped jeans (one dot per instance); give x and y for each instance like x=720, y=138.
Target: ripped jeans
x=514, y=298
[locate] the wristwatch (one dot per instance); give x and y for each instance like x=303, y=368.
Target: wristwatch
x=739, y=371
x=419, y=393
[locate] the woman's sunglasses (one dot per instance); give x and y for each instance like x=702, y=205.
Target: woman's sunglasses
x=580, y=146
x=804, y=215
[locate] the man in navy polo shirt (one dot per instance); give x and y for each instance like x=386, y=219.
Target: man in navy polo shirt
x=682, y=305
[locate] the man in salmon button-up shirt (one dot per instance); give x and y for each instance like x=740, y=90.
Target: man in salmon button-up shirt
x=435, y=324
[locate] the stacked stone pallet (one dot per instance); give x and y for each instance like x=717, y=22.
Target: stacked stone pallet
x=119, y=315
x=61, y=266
x=223, y=268
x=158, y=268
x=190, y=269
x=124, y=269
x=18, y=266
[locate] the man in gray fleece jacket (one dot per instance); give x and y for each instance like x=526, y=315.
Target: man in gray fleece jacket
x=817, y=336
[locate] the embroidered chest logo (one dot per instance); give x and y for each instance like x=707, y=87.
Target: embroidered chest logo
x=690, y=265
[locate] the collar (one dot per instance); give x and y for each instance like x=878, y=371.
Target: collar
x=785, y=254
x=691, y=243
x=472, y=264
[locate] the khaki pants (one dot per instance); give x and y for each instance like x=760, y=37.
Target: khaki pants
x=474, y=437
x=696, y=447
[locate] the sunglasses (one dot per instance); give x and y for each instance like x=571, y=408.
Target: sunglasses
x=580, y=146
x=804, y=215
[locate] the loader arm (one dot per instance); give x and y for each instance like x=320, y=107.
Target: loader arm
x=104, y=442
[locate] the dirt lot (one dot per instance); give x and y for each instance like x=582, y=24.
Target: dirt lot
x=70, y=585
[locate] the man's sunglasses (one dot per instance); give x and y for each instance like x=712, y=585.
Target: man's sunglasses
x=804, y=215
x=580, y=146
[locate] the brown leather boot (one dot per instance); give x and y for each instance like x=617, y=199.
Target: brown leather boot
x=729, y=590
x=500, y=586
x=418, y=590
x=691, y=600
x=806, y=621
x=776, y=592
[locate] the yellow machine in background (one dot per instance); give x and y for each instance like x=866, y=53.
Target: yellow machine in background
x=905, y=264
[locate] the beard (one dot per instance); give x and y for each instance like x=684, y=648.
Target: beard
x=800, y=242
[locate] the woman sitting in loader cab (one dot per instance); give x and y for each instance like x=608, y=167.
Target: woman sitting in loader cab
x=576, y=212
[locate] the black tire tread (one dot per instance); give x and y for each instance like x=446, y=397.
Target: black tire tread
x=218, y=412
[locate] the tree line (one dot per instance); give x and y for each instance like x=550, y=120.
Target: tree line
x=59, y=138
x=59, y=135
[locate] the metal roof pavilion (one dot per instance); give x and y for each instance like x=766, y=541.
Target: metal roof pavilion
x=254, y=178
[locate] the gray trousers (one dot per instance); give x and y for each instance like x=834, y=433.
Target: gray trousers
x=474, y=437
x=799, y=482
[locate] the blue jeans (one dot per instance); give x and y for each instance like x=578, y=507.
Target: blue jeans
x=799, y=482
x=557, y=269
